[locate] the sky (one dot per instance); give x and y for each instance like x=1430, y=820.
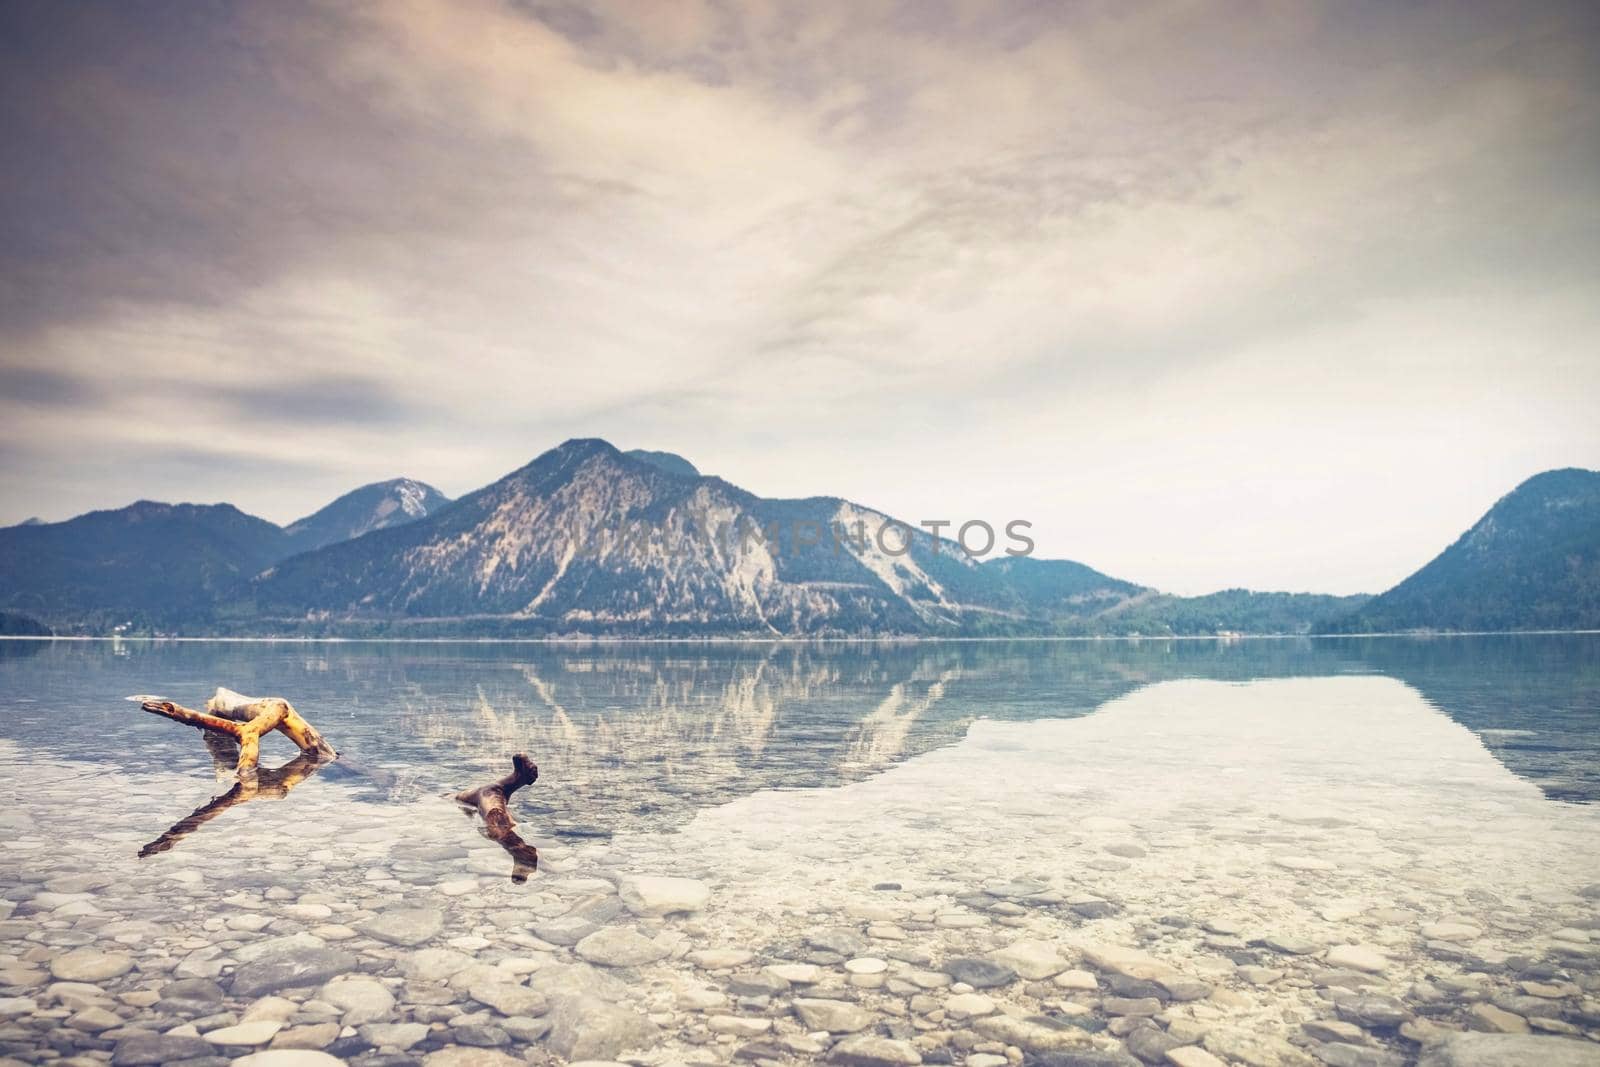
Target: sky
x=1278, y=295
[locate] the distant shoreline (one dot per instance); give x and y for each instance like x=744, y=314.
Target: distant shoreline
x=881, y=640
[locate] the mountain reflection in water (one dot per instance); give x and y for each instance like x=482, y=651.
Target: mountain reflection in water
x=642, y=736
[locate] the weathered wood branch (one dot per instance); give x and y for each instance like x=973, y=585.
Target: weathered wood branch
x=490, y=801
x=228, y=704
x=244, y=720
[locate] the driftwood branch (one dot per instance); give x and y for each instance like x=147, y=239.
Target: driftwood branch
x=232, y=726
x=490, y=801
x=244, y=720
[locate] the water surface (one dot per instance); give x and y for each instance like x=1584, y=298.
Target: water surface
x=1240, y=812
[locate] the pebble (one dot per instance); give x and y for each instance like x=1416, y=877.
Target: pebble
x=585, y=1027
x=1076, y=980
x=258, y=1032
x=1510, y=1050
x=866, y=965
x=509, y=998
x=739, y=1025
x=979, y=974
x=404, y=926
x=695, y=999
x=1183, y=989
x=1130, y=1005
x=1036, y=1034
x=288, y=1058
x=619, y=946
x=720, y=959
x=152, y=1050
x=1357, y=958
x=12, y=1007
x=659, y=896
x=1372, y=1011
x=969, y=1005
x=834, y=1016
x=1151, y=1044
x=1344, y=1054
x=470, y=1057
x=1333, y=1030
x=1490, y=1019
x=1129, y=962
x=434, y=964
x=271, y=1007
x=90, y=965
x=1451, y=931
x=1033, y=960
x=92, y=1020
x=309, y=966
x=1292, y=946
x=314, y=1036
x=394, y=1035
x=867, y=1051
x=795, y=973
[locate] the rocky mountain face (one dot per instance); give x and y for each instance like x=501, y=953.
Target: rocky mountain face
x=1532, y=562
x=372, y=507
x=587, y=538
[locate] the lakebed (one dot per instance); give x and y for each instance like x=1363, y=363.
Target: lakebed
x=1276, y=861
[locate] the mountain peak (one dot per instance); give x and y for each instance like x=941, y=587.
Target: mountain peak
x=1556, y=482
x=670, y=462
x=1531, y=562
x=584, y=446
x=376, y=506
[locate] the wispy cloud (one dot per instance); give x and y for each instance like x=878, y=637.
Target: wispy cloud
x=1094, y=264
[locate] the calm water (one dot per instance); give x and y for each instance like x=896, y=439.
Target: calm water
x=646, y=734
x=1184, y=799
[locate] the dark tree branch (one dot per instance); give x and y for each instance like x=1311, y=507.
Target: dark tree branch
x=498, y=825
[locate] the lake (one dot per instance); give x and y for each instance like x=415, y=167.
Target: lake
x=1290, y=851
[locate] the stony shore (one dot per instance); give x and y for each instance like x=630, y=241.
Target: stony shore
x=974, y=906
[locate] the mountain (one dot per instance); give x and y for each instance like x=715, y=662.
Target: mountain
x=145, y=565
x=1531, y=563
x=372, y=507
x=670, y=462
x=587, y=538
x=1233, y=611
x=166, y=567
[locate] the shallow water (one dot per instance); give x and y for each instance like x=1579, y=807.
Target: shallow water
x=1352, y=847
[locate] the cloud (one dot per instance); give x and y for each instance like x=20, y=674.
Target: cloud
x=40, y=387
x=863, y=248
